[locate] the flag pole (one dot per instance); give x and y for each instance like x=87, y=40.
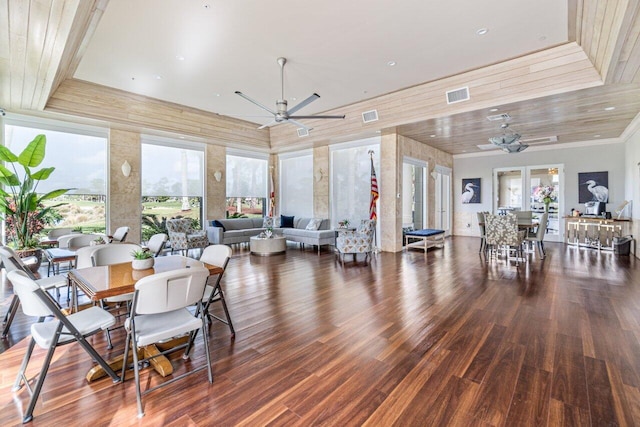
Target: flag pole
x=373, y=214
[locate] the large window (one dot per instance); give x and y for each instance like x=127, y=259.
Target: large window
x=246, y=184
x=79, y=155
x=351, y=179
x=172, y=184
x=296, y=184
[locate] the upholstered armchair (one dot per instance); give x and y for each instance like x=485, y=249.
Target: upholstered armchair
x=183, y=237
x=359, y=241
x=502, y=232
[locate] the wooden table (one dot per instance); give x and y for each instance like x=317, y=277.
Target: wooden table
x=118, y=279
x=56, y=256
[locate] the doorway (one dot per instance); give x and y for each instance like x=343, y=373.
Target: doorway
x=414, y=194
x=442, y=175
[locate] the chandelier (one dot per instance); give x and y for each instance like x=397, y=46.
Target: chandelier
x=509, y=141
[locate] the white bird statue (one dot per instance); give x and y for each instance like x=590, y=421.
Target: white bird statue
x=468, y=193
x=600, y=192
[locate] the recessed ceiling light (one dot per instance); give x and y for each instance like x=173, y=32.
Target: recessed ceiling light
x=597, y=136
x=293, y=98
x=378, y=131
x=181, y=137
x=482, y=31
x=180, y=57
x=158, y=77
x=542, y=38
x=432, y=135
x=609, y=108
x=391, y=63
x=493, y=110
x=216, y=94
x=206, y=6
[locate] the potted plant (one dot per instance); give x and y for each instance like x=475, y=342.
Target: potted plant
x=142, y=260
x=21, y=207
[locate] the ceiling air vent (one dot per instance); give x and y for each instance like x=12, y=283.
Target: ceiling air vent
x=458, y=95
x=499, y=117
x=370, y=116
x=303, y=132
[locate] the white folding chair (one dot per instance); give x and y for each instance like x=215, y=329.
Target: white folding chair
x=156, y=243
x=120, y=234
x=159, y=312
x=12, y=262
x=49, y=335
x=218, y=255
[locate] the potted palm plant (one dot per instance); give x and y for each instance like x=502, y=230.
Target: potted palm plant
x=21, y=206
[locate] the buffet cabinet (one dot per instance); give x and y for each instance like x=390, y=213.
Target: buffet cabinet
x=597, y=233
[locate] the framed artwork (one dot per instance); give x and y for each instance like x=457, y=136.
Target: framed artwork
x=471, y=191
x=593, y=187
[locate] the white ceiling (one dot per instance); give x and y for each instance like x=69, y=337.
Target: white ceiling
x=339, y=49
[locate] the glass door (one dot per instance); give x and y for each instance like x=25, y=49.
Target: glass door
x=414, y=194
x=545, y=184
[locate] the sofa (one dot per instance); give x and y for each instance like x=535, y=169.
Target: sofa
x=240, y=230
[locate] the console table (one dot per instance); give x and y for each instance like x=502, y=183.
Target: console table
x=596, y=233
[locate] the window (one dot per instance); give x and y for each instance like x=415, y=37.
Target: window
x=296, y=184
x=79, y=155
x=172, y=184
x=351, y=179
x=246, y=184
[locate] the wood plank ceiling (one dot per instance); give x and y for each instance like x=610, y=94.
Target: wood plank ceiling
x=561, y=91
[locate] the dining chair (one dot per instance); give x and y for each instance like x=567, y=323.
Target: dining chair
x=538, y=236
x=49, y=335
x=523, y=215
x=120, y=234
x=156, y=243
x=160, y=312
x=216, y=255
x=77, y=241
x=502, y=233
x=63, y=241
x=483, y=234
x=55, y=233
x=114, y=254
x=12, y=262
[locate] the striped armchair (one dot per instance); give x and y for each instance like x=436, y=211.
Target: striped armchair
x=183, y=237
x=359, y=241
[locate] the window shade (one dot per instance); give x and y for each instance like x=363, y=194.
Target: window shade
x=296, y=186
x=246, y=177
x=172, y=171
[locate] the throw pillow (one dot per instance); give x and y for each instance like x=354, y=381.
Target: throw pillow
x=267, y=222
x=286, y=221
x=217, y=223
x=314, y=224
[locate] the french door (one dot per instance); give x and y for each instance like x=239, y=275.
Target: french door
x=442, y=176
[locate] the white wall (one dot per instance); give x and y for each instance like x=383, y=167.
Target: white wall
x=593, y=158
x=632, y=179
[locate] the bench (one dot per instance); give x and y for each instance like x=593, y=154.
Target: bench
x=424, y=239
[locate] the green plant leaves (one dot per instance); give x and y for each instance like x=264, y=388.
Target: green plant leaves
x=42, y=174
x=33, y=154
x=6, y=155
x=55, y=193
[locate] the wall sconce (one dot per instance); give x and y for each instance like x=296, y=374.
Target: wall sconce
x=217, y=175
x=126, y=169
x=434, y=175
x=319, y=174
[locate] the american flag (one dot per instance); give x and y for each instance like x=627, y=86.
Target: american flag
x=374, y=193
x=272, y=197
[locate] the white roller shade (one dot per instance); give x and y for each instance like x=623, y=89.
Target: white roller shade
x=172, y=171
x=246, y=176
x=80, y=160
x=296, y=185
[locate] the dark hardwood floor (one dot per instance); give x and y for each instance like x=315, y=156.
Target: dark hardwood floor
x=411, y=340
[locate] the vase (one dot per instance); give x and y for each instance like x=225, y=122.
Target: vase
x=142, y=264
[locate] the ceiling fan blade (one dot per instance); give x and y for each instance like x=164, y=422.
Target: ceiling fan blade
x=255, y=102
x=317, y=117
x=272, y=122
x=304, y=103
x=300, y=125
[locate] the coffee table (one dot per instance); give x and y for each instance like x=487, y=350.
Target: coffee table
x=266, y=247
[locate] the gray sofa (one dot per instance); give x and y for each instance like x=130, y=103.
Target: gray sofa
x=240, y=230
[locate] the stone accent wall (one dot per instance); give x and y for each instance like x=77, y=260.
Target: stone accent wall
x=124, y=193
x=216, y=191
x=389, y=183
x=321, y=188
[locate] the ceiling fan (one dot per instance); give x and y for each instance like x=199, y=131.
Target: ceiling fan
x=284, y=115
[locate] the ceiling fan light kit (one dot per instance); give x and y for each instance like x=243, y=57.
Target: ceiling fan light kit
x=284, y=115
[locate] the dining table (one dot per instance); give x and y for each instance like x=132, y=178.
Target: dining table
x=101, y=282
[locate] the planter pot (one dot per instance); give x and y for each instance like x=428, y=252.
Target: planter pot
x=142, y=264
x=26, y=253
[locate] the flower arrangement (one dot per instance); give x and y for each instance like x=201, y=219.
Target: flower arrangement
x=545, y=194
